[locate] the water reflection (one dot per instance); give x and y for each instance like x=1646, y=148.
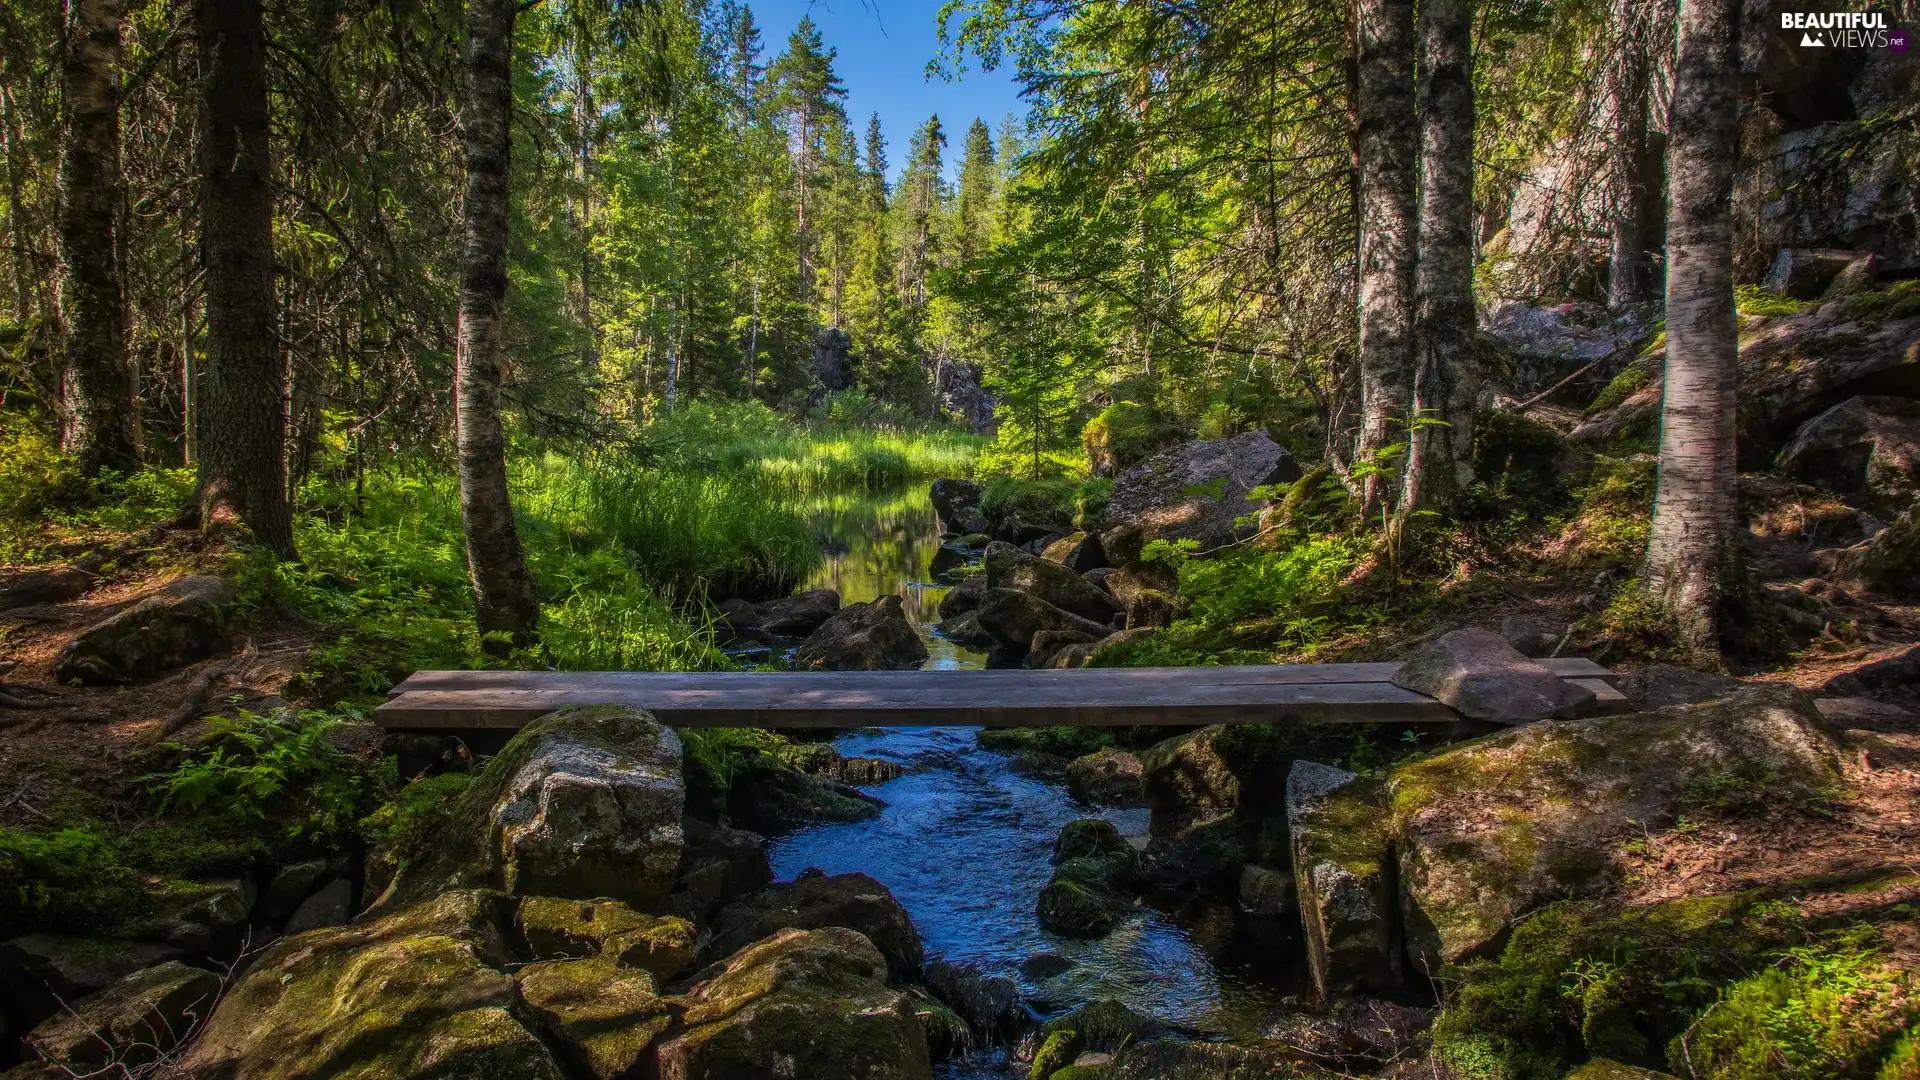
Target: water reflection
x=877, y=543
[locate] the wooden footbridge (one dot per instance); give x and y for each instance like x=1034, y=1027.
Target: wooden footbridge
x=1080, y=697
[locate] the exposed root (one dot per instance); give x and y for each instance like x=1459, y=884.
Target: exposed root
x=194, y=704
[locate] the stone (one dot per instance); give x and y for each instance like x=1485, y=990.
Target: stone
x=1188, y=780
x=874, y=636
x=331, y=906
x=1899, y=668
x=1046, y=965
x=1483, y=678
x=581, y=803
x=1358, y=1034
x=54, y=585
x=949, y=557
x=1488, y=830
x=1657, y=686
x=130, y=1023
x=1014, y=617
x=1603, y=1069
x=965, y=629
x=1073, y=656
x=39, y=971
x=1805, y=273
x=604, y=1018
x=1009, y=568
x=990, y=1004
x=1091, y=891
x=951, y=498
x=1194, y=491
x=718, y=865
x=1861, y=712
x=290, y=885
x=1123, y=434
x=963, y=597
x=1860, y=276
x=1549, y=342
x=1078, y=551
x=199, y=916
x=406, y=997
x=814, y=900
x=1109, y=777
x=1105, y=1026
x=1147, y=592
x=1887, y=562
x=793, y=616
x=1266, y=892
x=803, y=1003
x=1865, y=445
x=770, y=797
x=1339, y=824
x=1047, y=644
x=175, y=626
x=558, y=929
x=957, y=383
x=1533, y=635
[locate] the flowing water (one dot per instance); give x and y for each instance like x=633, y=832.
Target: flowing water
x=965, y=841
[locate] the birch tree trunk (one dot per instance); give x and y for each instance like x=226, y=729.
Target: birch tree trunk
x=1446, y=378
x=241, y=415
x=1691, y=552
x=1627, y=94
x=504, y=599
x=103, y=432
x=1385, y=152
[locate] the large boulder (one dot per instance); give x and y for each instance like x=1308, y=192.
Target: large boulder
x=40, y=971
x=718, y=865
x=1091, y=891
x=1864, y=445
x=785, y=619
x=772, y=797
x=1077, y=551
x=1014, y=617
x=1007, y=567
x=1657, y=686
x=416, y=994
x=581, y=803
x=1548, y=343
x=874, y=636
x=604, y=1019
x=1886, y=562
x=814, y=900
x=957, y=502
x=990, y=1004
x=803, y=1003
x=1109, y=777
x=1339, y=826
x=661, y=945
x=1149, y=591
x=1491, y=829
x=963, y=597
x=131, y=1023
x=181, y=623
x=1483, y=678
x=1194, y=491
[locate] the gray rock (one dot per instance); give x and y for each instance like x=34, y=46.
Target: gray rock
x=1267, y=892
x=1550, y=342
x=1014, y=617
x=130, y=1023
x=199, y=916
x=874, y=636
x=1009, y=568
x=181, y=623
x=1865, y=713
x=1341, y=839
x=1109, y=777
x=990, y=1004
x=965, y=629
x=963, y=597
x=331, y=906
x=814, y=900
x=1077, y=551
x=951, y=498
x=1483, y=678
x=290, y=885
x=797, y=615
x=1898, y=668
x=38, y=971
x=1657, y=686
x=1805, y=273
x=1048, y=644
x=1148, y=592
x=1866, y=445
x=1193, y=491
x=718, y=865
x=1533, y=635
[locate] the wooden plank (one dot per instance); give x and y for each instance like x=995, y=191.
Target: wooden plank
x=1608, y=701
x=768, y=703
x=965, y=681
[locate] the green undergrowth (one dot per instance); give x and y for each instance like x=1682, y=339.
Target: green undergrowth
x=1900, y=300
x=1742, y=986
x=750, y=439
x=45, y=500
x=1754, y=300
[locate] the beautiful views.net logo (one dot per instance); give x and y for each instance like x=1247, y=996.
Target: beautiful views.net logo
x=1844, y=30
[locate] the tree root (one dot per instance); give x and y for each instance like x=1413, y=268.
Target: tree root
x=194, y=705
x=10, y=697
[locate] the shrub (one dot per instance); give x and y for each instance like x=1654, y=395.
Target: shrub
x=1123, y=434
x=260, y=769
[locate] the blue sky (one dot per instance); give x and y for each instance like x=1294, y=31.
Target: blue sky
x=884, y=48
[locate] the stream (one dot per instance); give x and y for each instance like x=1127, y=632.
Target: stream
x=965, y=842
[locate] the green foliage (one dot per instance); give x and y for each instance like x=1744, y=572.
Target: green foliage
x=40, y=485
x=70, y=880
x=1090, y=503
x=1754, y=300
x=1295, y=585
x=1125, y=433
x=1516, y=465
x=722, y=753
x=1051, y=500
x=203, y=846
x=1614, y=513
x=1640, y=622
x=260, y=768
x=1639, y=372
x=415, y=813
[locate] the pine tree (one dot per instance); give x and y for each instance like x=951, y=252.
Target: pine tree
x=809, y=95
x=921, y=197
x=979, y=182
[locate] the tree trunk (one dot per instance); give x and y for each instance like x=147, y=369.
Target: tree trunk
x=1691, y=553
x=16, y=238
x=103, y=432
x=1385, y=149
x=241, y=436
x=503, y=593
x=1627, y=91
x=1446, y=378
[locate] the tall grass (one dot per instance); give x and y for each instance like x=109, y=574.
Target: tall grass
x=750, y=439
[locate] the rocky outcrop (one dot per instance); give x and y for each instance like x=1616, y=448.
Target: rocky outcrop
x=832, y=362
x=1193, y=491
x=131, y=1023
x=604, y=1019
x=1869, y=446
x=413, y=995
x=874, y=636
x=1148, y=591
x=718, y=865
x=1483, y=678
x=331, y=905
x=1077, y=551
x=1549, y=343
x=582, y=803
x=1886, y=562
x=1339, y=828
x=1493, y=828
x=39, y=971
x=1048, y=644
x=957, y=384
x=963, y=597
x=1007, y=567
x=1014, y=617
x=803, y=1003
x=181, y=623
x=558, y=929
x=957, y=503
x=1109, y=777
x=990, y=1004
x=1091, y=891
x=814, y=900
x=782, y=621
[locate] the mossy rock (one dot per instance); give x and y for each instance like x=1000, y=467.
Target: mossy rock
x=1124, y=434
x=581, y=803
x=1091, y=838
x=130, y=1023
x=1342, y=844
x=603, y=1017
x=1106, y=1026
x=1491, y=829
x=1602, y=1069
x=803, y=1003
x=1058, y=1047
x=572, y=929
x=1092, y=887
x=411, y=995
x=815, y=900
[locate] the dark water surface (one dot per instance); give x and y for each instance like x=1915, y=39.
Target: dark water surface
x=965, y=841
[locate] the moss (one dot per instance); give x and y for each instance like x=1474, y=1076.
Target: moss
x=407, y=824
x=1903, y=1061
x=554, y=928
x=1898, y=301
x=1628, y=382
x=1106, y=1026
x=1090, y=503
x=1039, y=502
x=1125, y=433
x=1079, y=908
x=1087, y=1072
x=72, y=879
x=947, y=1031
x=207, y=847
x=1090, y=838
x=1754, y=300
x=605, y=1017
x=1056, y=1052
x=1059, y=742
